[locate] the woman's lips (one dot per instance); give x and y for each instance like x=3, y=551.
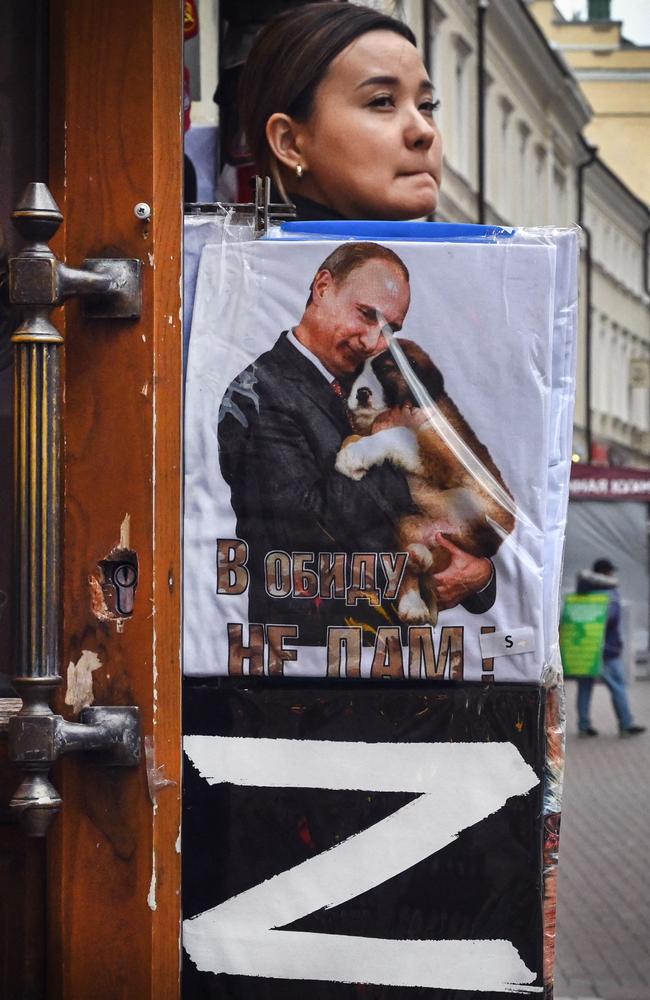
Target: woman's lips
x=417, y=173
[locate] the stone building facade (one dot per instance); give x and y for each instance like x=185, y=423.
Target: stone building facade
x=614, y=74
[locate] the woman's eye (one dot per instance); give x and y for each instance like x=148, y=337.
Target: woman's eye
x=428, y=107
x=382, y=101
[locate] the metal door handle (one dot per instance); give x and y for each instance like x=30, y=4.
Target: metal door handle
x=38, y=282
x=110, y=287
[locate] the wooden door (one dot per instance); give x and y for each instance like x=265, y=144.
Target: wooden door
x=113, y=853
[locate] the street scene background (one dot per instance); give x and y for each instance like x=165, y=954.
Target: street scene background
x=565, y=93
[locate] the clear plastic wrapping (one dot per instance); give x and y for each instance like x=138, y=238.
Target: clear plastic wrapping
x=289, y=511
x=216, y=227
x=379, y=492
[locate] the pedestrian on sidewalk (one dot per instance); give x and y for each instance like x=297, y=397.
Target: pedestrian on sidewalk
x=601, y=579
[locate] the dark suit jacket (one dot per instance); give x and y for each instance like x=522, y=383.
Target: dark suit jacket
x=280, y=430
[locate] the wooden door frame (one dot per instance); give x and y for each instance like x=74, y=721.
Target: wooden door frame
x=116, y=140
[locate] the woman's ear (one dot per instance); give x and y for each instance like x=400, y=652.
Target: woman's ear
x=282, y=137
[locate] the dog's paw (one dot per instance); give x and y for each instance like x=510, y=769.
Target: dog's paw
x=350, y=461
x=420, y=558
x=412, y=609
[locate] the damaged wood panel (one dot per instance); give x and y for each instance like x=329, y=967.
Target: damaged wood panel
x=114, y=867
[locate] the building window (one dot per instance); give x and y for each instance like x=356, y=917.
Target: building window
x=523, y=135
x=505, y=202
x=607, y=246
x=462, y=106
x=624, y=374
x=560, y=194
x=601, y=366
x=638, y=396
x=433, y=56
x=594, y=225
x=539, y=194
x=615, y=371
x=630, y=269
x=616, y=255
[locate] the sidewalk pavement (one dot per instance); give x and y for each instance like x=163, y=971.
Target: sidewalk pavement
x=603, y=937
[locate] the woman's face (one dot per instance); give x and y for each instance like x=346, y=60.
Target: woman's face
x=371, y=148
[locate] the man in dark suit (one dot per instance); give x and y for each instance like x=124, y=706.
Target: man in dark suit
x=282, y=423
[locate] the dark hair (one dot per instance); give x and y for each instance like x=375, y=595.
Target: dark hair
x=603, y=566
x=349, y=256
x=290, y=57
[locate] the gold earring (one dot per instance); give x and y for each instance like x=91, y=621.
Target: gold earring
x=299, y=171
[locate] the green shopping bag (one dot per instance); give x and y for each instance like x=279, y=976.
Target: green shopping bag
x=582, y=634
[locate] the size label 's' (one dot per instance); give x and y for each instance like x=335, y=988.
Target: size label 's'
x=517, y=640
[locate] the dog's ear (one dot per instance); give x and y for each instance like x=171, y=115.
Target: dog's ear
x=424, y=369
x=431, y=378
x=387, y=373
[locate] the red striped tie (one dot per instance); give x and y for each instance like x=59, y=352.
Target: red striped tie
x=337, y=388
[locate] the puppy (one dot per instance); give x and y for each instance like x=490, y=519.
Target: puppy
x=450, y=500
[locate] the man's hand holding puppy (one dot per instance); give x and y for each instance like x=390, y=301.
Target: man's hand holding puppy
x=464, y=577
x=466, y=574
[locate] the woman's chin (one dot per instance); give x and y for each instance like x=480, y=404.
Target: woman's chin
x=415, y=200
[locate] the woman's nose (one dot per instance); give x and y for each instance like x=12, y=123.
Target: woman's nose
x=419, y=131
